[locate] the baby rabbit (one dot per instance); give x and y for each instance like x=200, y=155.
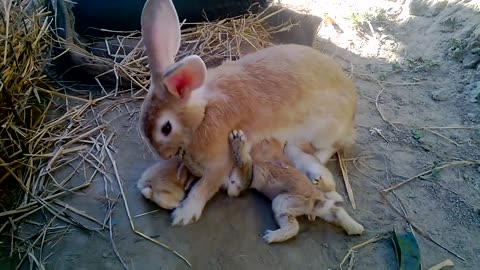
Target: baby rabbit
x=288, y=92
x=267, y=170
x=165, y=183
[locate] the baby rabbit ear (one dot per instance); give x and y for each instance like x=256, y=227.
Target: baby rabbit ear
x=185, y=76
x=161, y=34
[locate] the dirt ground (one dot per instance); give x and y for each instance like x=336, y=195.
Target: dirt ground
x=416, y=65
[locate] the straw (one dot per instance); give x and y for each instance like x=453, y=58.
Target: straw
x=348, y=187
x=213, y=41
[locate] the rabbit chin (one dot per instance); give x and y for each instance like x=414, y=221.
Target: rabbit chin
x=235, y=185
x=234, y=190
x=169, y=198
x=168, y=152
x=168, y=204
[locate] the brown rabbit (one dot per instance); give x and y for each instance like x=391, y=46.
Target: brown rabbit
x=289, y=92
x=269, y=171
x=165, y=183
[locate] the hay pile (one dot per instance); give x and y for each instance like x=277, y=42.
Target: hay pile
x=122, y=59
x=25, y=47
x=47, y=131
x=43, y=130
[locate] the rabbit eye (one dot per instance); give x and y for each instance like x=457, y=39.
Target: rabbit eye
x=167, y=128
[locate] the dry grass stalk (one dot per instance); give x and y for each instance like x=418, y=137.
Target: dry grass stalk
x=439, y=167
x=127, y=209
x=146, y=213
x=23, y=44
x=343, y=168
x=355, y=248
x=353, y=159
x=123, y=58
x=442, y=265
x=403, y=213
x=43, y=130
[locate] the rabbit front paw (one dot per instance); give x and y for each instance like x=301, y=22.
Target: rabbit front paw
x=275, y=236
x=237, y=141
x=321, y=176
x=354, y=228
x=188, y=212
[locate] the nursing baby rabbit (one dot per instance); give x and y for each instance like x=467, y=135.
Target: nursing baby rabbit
x=267, y=170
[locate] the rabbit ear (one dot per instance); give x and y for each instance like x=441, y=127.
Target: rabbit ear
x=161, y=34
x=185, y=76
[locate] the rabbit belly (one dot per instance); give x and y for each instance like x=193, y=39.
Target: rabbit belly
x=321, y=131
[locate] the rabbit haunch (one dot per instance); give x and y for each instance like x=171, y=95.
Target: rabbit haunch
x=290, y=92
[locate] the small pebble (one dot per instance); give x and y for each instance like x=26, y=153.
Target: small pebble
x=476, y=50
x=104, y=254
x=439, y=95
x=426, y=147
x=471, y=60
x=458, y=54
x=474, y=46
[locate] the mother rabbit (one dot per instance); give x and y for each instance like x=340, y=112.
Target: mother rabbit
x=290, y=92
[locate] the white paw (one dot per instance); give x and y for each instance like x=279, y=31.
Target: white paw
x=354, y=228
x=333, y=195
x=274, y=236
x=188, y=212
x=321, y=177
x=237, y=134
x=269, y=236
x=313, y=171
x=144, y=185
x=147, y=192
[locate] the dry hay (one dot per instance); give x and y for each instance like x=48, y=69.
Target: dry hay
x=42, y=132
x=24, y=49
x=122, y=58
x=47, y=131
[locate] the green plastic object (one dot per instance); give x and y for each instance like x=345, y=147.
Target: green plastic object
x=407, y=251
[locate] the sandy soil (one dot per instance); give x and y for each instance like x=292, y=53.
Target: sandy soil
x=419, y=62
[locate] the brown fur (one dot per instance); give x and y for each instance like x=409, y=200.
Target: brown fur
x=232, y=108
x=165, y=182
x=267, y=170
x=279, y=92
x=289, y=92
x=292, y=194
